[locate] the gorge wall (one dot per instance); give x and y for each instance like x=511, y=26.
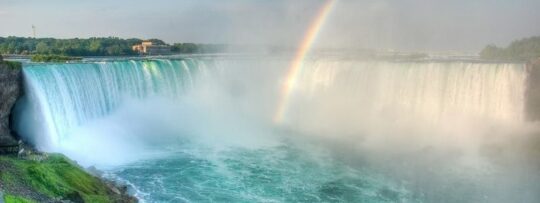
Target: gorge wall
x=11, y=89
x=532, y=104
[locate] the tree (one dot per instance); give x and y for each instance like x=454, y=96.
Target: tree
x=524, y=49
x=105, y=46
x=42, y=48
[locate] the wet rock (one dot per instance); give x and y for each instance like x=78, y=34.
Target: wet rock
x=10, y=90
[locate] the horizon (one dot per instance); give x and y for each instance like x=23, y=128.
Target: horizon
x=416, y=25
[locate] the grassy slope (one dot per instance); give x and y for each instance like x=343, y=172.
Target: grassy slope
x=16, y=199
x=55, y=177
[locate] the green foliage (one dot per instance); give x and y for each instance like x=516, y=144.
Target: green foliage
x=191, y=48
x=59, y=177
x=55, y=177
x=157, y=42
x=53, y=58
x=16, y=199
x=185, y=48
x=524, y=49
x=110, y=46
x=12, y=64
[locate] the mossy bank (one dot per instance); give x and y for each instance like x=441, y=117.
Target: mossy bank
x=54, y=178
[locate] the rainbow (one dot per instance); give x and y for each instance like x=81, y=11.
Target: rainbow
x=298, y=60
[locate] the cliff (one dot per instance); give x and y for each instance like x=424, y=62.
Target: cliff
x=11, y=89
x=532, y=105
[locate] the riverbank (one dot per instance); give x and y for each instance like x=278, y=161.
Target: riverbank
x=54, y=178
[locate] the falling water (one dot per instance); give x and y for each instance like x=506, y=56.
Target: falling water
x=213, y=117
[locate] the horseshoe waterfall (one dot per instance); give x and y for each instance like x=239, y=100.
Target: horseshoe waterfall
x=201, y=129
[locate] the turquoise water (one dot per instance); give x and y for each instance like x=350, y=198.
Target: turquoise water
x=283, y=173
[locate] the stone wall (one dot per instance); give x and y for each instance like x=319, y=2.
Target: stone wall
x=10, y=90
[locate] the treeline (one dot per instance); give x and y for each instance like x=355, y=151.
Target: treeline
x=105, y=46
x=192, y=48
x=110, y=46
x=53, y=58
x=524, y=49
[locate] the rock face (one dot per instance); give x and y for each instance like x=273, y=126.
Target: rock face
x=10, y=90
x=532, y=105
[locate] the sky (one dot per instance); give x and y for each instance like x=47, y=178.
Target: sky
x=407, y=25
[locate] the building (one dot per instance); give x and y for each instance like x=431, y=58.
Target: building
x=148, y=48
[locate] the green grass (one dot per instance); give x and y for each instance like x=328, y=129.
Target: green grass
x=55, y=177
x=16, y=199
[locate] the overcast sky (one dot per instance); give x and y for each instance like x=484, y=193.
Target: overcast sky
x=420, y=25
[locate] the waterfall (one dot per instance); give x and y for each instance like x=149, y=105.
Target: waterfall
x=434, y=101
x=329, y=92
x=410, y=128
x=431, y=89
x=63, y=96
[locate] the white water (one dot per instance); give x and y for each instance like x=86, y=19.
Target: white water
x=432, y=90
x=432, y=103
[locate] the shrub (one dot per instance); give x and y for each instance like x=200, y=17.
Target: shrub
x=53, y=58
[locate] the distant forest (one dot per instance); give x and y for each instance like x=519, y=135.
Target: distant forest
x=106, y=46
x=523, y=50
